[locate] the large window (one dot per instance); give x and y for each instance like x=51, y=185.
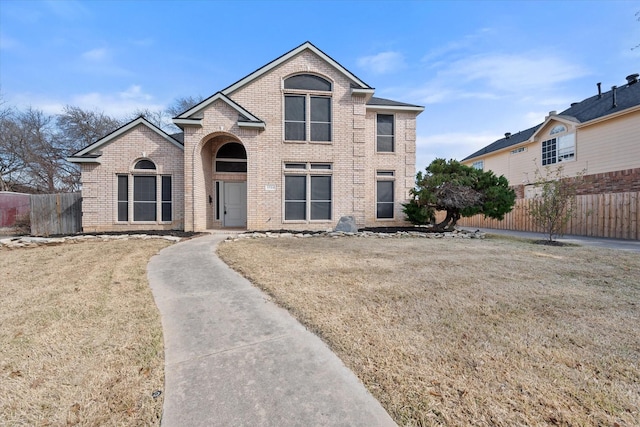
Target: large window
x=385, y=140
x=560, y=149
x=307, y=192
x=384, y=194
x=307, y=108
x=148, y=188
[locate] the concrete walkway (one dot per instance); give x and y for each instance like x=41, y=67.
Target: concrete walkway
x=233, y=358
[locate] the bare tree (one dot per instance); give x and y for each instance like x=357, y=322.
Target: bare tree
x=180, y=105
x=11, y=145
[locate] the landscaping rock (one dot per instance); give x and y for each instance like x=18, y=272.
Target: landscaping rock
x=347, y=224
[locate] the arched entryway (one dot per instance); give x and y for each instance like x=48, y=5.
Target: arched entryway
x=219, y=168
x=230, y=182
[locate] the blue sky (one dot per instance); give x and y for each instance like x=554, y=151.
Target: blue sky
x=480, y=68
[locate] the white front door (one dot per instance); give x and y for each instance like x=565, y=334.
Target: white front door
x=235, y=204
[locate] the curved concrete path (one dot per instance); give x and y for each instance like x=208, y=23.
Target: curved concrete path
x=233, y=358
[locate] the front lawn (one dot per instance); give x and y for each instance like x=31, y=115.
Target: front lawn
x=467, y=332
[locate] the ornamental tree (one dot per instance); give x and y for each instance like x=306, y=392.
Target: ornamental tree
x=459, y=190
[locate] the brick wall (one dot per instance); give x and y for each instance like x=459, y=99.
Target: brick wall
x=100, y=182
x=351, y=152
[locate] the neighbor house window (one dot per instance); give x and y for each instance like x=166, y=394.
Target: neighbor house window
x=150, y=197
x=478, y=165
x=307, y=191
x=559, y=149
x=385, y=140
x=307, y=108
x=384, y=194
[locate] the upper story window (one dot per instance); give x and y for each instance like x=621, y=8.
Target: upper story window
x=145, y=164
x=559, y=149
x=231, y=157
x=557, y=129
x=385, y=133
x=478, y=164
x=307, y=108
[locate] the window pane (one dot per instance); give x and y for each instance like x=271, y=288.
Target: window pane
x=385, y=191
x=384, y=210
x=320, y=188
x=320, y=109
x=123, y=188
x=123, y=211
x=166, y=211
x=295, y=188
x=385, y=144
x=232, y=150
x=231, y=166
x=307, y=82
x=320, y=210
x=295, y=210
x=385, y=124
x=320, y=132
x=144, y=188
x=323, y=166
x=295, y=165
x=145, y=164
x=166, y=188
x=294, y=108
x=144, y=211
x=294, y=131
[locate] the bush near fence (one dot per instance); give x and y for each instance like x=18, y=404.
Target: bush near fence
x=612, y=215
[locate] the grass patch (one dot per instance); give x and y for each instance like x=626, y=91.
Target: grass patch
x=467, y=332
x=80, y=338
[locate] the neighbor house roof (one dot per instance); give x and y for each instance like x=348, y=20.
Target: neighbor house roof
x=89, y=155
x=583, y=112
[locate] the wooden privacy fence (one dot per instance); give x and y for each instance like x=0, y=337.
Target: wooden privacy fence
x=56, y=214
x=613, y=215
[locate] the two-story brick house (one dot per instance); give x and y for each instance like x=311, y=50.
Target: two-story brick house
x=296, y=144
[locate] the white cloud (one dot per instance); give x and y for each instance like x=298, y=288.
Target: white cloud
x=382, y=63
x=96, y=55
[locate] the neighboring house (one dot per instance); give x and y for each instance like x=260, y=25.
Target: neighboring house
x=296, y=144
x=12, y=207
x=599, y=136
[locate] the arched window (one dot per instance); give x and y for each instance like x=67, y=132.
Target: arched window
x=231, y=157
x=307, y=108
x=145, y=164
x=151, y=198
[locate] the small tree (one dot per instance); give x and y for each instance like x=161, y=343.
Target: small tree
x=460, y=191
x=555, y=202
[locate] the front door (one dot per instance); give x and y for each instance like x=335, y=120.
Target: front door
x=235, y=204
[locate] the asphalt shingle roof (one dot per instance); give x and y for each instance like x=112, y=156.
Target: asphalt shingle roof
x=388, y=102
x=594, y=107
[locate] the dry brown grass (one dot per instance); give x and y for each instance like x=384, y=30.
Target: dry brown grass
x=467, y=332
x=80, y=335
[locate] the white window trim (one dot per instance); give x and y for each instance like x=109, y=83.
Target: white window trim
x=389, y=176
x=394, y=135
x=130, y=194
x=308, y=171
x=307, y=115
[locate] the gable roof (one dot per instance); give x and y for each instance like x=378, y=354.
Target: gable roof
x=583, y=112
x=355, y=81
x=186, y=118
x=245, y=117
x=85, y=155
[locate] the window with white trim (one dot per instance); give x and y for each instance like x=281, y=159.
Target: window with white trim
x=385, y=186
x=307, y=108
x=149, y=198
x=308, y=191
x=479, y=164
x=385, y=133
x=559, y=149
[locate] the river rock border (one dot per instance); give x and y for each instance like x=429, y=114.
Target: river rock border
x=32, y=242
x=456, y=234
